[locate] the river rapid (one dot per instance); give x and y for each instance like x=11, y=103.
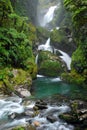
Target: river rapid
x=53, y=91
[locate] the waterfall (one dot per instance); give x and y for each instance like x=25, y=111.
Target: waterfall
x=46, y=46
x=48, y=17
x=47, y=42
x=66, y=58
x=36, y=59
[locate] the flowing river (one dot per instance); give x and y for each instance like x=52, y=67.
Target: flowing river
x=53, y=91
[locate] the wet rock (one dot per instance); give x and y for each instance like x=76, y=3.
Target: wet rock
x=36, y=123
x=22, y=92
x=69, y=118
x=15, y=115
x=41, y=105
x=27, y=113
x=51, y=118
x=77, y=115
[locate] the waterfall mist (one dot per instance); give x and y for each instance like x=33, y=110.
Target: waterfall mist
x=46, y=12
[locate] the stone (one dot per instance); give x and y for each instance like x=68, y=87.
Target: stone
x=23, y=92
x=51, y=118
x=36, y=123
x=41, y=104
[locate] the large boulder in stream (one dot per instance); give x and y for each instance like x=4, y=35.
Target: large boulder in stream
x=50, y=64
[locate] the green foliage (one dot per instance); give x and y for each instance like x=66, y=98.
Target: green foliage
x=5, y=10
x=16, y=39
x=42, y=34
x=58, y=36
x=74, y=77
x=79, y=62
x=49, y=64
x=79, y=12
x=78, y=9
x=19, y=128
x=14, y=45
x=50, y=68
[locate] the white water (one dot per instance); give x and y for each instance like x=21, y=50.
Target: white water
x=40, y=76
x=36, y=59
x=54, y=111
x=14, y=104
x=66, y=58
x=46, y=46
x=48, y=17
x=10, y=105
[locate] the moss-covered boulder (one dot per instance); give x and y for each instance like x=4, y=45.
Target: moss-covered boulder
x=50, y=65
x=12, y=79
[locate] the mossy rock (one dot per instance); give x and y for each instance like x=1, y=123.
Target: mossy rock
x=74, y=77
x=50, y=65
x=19, y=128
x=68, y=118
x=29, y=127
x=13, y=78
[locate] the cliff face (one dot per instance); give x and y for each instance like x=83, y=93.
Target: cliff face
x=26, y=8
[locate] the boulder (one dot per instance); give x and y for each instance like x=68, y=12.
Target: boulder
x=23, y=92
x=36, y=123
x=50, y=65
x=40, y=104
x=51, y=118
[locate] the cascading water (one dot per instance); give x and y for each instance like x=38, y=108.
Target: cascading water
x=12, y=105
x=36, y=59
x=46, y=46
x=48, y=17
x=66, y=58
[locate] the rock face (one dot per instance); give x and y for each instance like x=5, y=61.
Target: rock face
x=50, y=65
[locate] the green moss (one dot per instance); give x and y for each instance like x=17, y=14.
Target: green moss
x=57, y=36
x=50, y=68
x=68, y=118
x=79, y=62
x=42, y=34
x=49, y=64
x=21, y=77
x=74, y=77
x=19, y=128
x=13, y=78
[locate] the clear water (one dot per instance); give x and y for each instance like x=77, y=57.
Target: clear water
x=44, y=87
